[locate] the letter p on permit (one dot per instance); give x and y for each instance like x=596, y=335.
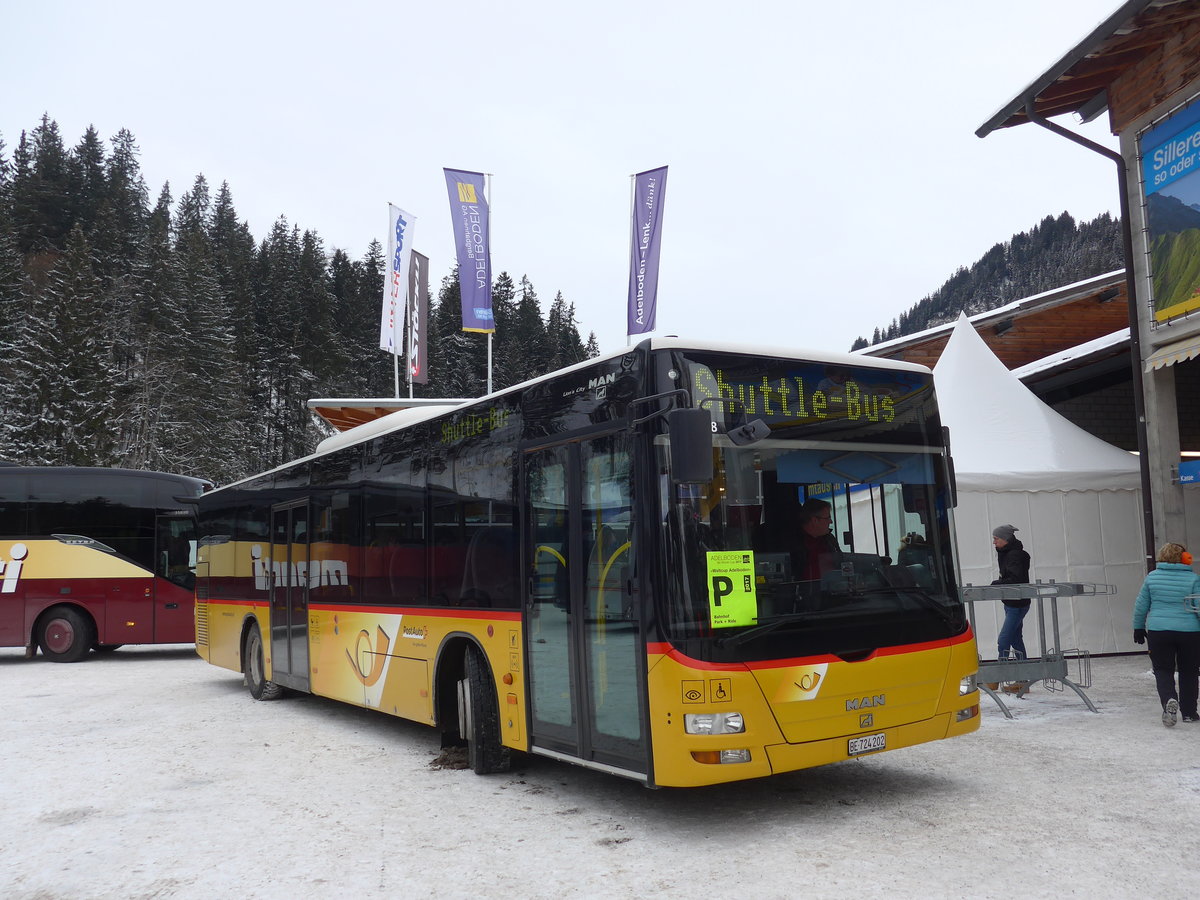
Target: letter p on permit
x=722, y=586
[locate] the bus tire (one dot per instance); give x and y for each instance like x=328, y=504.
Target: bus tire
x=65, y=634
x=484, y=751
x=260, y=688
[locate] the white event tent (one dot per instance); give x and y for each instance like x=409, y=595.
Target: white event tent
x=1074, y=499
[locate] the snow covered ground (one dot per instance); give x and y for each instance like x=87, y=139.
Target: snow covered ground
x=148, y=773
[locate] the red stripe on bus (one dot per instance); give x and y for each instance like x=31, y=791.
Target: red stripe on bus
x=663, y=648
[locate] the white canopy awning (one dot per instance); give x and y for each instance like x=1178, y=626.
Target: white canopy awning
x=1004, y=438
x=1168, y=355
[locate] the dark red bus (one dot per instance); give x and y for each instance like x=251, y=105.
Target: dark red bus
x=95, y=558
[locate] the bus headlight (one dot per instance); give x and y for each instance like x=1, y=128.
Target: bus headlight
x=714, y=723
x=967, y=685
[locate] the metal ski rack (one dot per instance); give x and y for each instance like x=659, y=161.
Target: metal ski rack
x=1052, y=667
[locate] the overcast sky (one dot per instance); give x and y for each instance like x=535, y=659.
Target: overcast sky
x=824, y=171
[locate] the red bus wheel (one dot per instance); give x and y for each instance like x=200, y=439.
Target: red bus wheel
x=65, y=634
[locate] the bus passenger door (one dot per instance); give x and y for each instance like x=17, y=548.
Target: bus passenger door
x=583, y=631
x=174, y=588
x=289, y=595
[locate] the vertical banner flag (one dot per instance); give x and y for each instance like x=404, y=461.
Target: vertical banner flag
x=649, y=190
x=469, y=213
x=399, y=246
x=418, y=317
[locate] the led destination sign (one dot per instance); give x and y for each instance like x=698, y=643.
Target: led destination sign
x=808, y=395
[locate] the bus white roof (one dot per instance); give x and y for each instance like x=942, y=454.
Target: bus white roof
x=413, y=414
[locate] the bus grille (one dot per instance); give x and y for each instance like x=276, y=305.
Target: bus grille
x=201, y=624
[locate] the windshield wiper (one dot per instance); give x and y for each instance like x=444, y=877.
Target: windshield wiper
x=766, y=627
x=927, y=599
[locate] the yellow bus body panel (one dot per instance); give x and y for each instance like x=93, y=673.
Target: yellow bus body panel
x=804, y=712
x=380, y=659
x=386, y=659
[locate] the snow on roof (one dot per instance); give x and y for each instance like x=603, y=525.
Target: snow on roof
x=1072, y=354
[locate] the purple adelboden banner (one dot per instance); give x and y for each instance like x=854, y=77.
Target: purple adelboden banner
x=649, y=189
x=469, y=213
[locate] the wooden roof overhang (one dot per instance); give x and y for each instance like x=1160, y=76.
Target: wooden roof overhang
x=1080, y=81
x=1030, y=329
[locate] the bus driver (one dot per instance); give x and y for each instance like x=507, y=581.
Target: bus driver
x=818, y=549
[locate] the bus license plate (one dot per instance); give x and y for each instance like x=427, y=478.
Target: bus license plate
x=868, y=743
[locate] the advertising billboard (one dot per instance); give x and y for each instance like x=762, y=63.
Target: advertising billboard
x=1169, y=157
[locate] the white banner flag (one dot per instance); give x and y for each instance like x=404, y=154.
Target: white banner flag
x=395, y=285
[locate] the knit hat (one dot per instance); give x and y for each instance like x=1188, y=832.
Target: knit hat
x=1004, y=532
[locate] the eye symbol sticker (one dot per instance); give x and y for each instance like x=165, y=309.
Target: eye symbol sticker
x=692, y=690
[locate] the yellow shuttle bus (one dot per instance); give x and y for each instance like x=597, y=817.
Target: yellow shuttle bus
x=684, y=564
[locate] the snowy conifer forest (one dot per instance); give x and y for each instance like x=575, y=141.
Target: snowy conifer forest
x=1056, y=252
x=162, y=334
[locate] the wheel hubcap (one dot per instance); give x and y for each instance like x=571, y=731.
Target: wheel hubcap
x=60, y=636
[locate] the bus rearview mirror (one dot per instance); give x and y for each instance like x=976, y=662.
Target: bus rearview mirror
x=691, y=445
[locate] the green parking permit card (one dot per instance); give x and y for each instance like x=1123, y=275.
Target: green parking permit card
x=732, y=595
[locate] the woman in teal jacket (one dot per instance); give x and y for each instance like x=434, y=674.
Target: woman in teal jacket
x=1162, y=617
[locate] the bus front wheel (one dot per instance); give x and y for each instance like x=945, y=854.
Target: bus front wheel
x=260, y=688
x=65, y=634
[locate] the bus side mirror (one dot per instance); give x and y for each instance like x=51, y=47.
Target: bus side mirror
x=691, y=445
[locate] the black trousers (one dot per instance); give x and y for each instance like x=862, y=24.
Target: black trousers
x=1172, y=651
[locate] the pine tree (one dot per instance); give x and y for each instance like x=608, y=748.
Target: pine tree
x=454, y=370
x=87, y=186
x=40, y=207
x=203, y=430
x=121, y=226
x=530, y=333
x=508, y=350
x=562, y=335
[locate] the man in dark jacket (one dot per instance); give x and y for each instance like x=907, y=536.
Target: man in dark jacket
x=1014, y=569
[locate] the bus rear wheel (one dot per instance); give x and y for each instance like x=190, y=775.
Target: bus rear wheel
x=260, y=688
x=480, y=718
x=65, y=634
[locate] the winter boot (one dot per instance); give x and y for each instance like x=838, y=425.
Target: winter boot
x=1170, y=711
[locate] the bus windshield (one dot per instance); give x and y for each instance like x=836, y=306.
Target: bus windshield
x=820, y=535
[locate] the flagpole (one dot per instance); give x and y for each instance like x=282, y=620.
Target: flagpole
x=632, y=201
x=395, y=357
x=487, y=189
